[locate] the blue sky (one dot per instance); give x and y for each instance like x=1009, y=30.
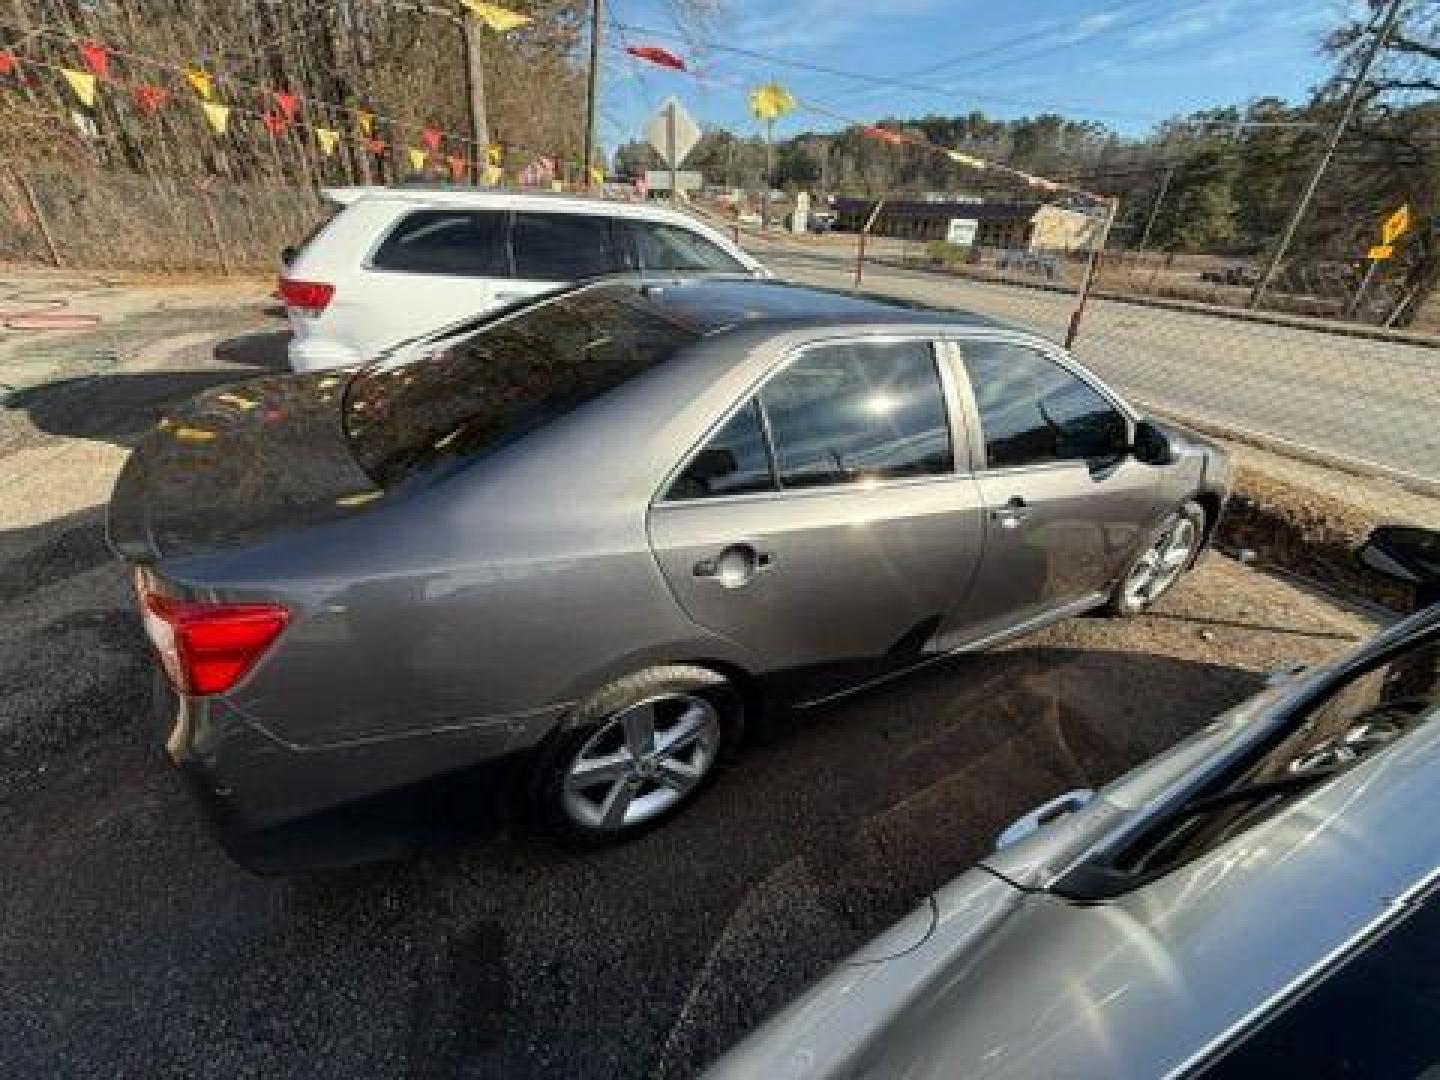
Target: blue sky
x=1126, y=63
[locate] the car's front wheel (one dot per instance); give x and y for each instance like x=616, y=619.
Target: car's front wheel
x=637, y=753
x=1168, y=553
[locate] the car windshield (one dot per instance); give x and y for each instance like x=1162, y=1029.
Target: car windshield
x=487, y=389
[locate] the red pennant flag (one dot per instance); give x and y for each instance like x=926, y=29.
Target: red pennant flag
x=656, y=55
x=376, y=146
x=884, y=135
x=457, y=166
x=287, y=103
x=275, y=123
x=96, y=57
x=7, y=62
x=151, y=98
x=430, y=136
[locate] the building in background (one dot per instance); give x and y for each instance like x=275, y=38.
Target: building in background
x=1010, y=225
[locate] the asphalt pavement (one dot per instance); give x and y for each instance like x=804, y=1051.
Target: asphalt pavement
x=1370, y=403
x=130, y=946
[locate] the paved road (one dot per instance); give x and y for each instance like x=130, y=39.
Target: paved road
x=129, y=947
x=1364, y=401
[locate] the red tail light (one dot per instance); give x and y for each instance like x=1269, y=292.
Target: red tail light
x=208, y=648
x=310, y=297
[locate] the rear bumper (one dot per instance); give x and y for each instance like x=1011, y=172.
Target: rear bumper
x=320, y=354
x=276, y=807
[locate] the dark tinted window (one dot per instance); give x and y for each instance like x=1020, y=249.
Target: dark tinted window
x=1376, y=1016
x=564, y=247
x=668, y=247
x=447, y=242
x=857, y=411
x=491, y=387
x=1033, y=411
x=734, y=461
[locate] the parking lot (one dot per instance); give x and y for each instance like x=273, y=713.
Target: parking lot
x=132, y=946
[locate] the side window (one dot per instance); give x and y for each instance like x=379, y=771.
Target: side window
x=564, y=247
x=857, y=411
x=465, y=243
x=1033, y=411
x=669, y=247
x=734, y=462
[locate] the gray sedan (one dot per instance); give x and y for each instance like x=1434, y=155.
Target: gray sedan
x=598, y=536
x=1260, y=901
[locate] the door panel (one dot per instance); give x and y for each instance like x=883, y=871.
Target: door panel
x=847, y=583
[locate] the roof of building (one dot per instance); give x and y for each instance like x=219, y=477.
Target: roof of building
x=978, y=211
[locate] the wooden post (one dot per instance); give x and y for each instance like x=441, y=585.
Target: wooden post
x=1091, y=266
x=214, y=227
x=860, y=247
x=24, y=183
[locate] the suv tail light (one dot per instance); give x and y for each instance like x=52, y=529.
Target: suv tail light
x=208, y=648
x=307, y=297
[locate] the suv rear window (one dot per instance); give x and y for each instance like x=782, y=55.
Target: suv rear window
x=465, y=243
x=506, y=379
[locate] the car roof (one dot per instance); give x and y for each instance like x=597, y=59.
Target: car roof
x=714, y=304
x=499, y=198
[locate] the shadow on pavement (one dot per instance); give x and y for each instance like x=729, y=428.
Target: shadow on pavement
x=521, y=959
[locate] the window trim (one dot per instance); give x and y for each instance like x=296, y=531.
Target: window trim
x=978, y=454
x=961, y=456
x=367, y=264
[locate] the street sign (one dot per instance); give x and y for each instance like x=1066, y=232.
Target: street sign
x=1383, y=251
x=672, y=133
x=1394, y=225
x=961, y=231
x=686, y=180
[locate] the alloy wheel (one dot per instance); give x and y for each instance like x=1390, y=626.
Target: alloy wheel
x=642, y=762
x=1162, y=563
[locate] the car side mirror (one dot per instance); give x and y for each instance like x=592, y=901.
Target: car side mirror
x=712, y=463
x=288, y=255
x=1151, y=444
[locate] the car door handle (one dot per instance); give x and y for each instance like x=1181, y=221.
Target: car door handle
x=1012, y=513
x=735, y=566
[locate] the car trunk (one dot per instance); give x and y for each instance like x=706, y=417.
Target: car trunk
x=237, y=464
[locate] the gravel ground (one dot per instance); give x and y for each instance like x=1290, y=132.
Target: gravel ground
x=132, y=947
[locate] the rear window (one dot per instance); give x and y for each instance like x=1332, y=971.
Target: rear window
x=491, y=387
x=464, y=243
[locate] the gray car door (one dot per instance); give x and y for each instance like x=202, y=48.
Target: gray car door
x=1064, y=503
x=824, y=524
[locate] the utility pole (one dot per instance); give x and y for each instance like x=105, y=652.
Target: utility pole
x=475, y=90
x=1352, y=99
x=592, y=100
x=1155, y=209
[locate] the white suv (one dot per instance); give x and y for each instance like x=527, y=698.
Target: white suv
x=398, y=262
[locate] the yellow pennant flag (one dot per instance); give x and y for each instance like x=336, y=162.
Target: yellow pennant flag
x=597, y=176
x=328, y=138
x=1394, y=226
x=200, y=81
x=497, y=18
x=771, y=101
x=217, y=114
x=556, y=185
x=964, y=159
x=83, y=83
x=494, y=175
x=417, y=158
x=495, y=154
x=365, y=121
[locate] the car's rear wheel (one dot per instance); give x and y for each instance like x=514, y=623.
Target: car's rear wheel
x=1170, y=551
x=637, y=753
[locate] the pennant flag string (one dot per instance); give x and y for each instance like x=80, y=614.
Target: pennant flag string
x=200, y=81
x=500, y=19
x=218, y=115
x=286, y=103
x=151, y=98
x=430, y=136
x=417, y=157
x=657, y=56
x=328, y=138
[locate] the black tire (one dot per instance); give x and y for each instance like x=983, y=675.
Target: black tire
x=597, y=716
x=1124, y=601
